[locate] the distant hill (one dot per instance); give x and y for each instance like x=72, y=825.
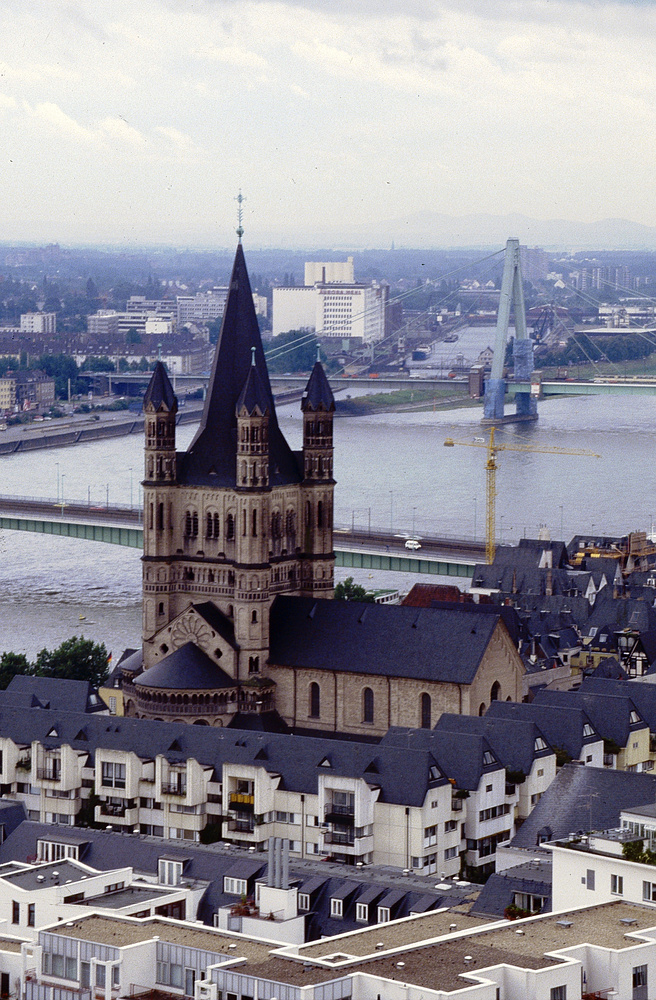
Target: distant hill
x=433, y=229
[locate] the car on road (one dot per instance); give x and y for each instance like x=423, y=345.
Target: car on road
x=412, y=543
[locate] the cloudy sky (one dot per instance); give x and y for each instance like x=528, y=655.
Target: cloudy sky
x=140, y=121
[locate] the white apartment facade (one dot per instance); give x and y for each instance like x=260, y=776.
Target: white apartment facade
x=38, y=322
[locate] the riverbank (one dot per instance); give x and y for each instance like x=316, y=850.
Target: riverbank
x=405, y=401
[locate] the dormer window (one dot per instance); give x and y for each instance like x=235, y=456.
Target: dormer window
x=588, y=730
x=539, y=744
x=634, y=717
x=336, y=907
x=488, y=759
x=169, y=872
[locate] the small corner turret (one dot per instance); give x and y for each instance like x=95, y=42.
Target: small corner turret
x=253, y=413
x=160, y=408
x=318, y=406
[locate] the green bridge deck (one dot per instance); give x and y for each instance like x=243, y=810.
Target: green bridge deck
x=133, y=538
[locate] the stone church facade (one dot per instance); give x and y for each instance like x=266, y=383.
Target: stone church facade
x=235, y=520
x=238, y=576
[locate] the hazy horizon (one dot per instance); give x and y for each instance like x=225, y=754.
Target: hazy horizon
x=138, y=125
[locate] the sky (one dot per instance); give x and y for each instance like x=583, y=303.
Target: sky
x=128, y=122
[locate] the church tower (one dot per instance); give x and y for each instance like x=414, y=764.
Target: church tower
x=318, y=406
x=228, y=524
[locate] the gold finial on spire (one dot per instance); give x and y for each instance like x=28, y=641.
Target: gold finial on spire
x=253, y=357
x=240, y=215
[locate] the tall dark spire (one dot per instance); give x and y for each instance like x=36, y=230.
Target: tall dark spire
x=211, y=456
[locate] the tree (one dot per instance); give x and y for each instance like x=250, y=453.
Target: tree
x=351, y=591
x=299, y=354
x=12, y=664
x=77, y=659
x=133, y=336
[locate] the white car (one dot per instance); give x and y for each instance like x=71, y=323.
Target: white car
x=412, y=543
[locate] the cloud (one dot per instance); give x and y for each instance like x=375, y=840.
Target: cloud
x=233, y=55
x=114, y=132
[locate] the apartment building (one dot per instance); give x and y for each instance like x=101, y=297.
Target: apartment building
x=593, y=951
x=420, y=807
x=201, y=307
x=38, y=322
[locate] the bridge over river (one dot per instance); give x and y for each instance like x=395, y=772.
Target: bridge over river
x=121, y=524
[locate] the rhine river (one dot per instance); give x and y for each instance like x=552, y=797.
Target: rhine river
x=391, y=468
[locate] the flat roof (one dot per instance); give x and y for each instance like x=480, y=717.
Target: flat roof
x=126, y=897
x=439, y=965
x=119, y=932
x=395, y=934
x=32, y=878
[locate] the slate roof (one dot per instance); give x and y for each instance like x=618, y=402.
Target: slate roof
x=562, y=725
x=187, y=667
x=642, y=695
x=211, y=456
x=512, y=740
x=254, y=394
x=459, y=755
x=160, y=391
x=51, y=692
x=403, y=776
x=584, y=799
x=318, y=395
x=609, y=714
x=321, y=880
x=437, y=644
x=534, y=877
x=218, y=621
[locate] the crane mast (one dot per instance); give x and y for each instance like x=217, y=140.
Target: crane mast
x=491, y=477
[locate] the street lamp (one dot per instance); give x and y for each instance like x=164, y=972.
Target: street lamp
x=130, y=487
x=475, y=512
x=63, y=477
x=57, y=464
x=414, y=511
x=107, y=491
x=562, y=533
x=391, y=493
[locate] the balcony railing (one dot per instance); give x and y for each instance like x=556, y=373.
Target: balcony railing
x=174, y=788
x=241, y=826
x=346, y=839
x=115, y=809
x=48, y=774
x=241, y=799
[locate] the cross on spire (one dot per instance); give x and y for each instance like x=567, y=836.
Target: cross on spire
x=240, y=215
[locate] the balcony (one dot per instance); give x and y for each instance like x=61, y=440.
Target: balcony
x=174, y=788
x=241, y=802
x=48, y=774
x=241, y=825
x=345, y=839
x=334, y=813
x=116, y=809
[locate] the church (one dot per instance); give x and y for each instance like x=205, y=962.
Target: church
x=239, y=625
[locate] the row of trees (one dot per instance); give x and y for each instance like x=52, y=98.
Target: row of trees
x=77, y=659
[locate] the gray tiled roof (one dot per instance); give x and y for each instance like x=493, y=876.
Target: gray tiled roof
x=187, y=667
x=562, y=725
x=512, y=740
x=438, y=644
x=609, y=714
x=584, y=799
x=459, y=755
x=160, y=390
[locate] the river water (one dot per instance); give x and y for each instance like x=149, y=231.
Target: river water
x=392, y=471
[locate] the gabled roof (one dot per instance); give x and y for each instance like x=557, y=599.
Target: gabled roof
x=610, y=714
x=188, y=667
x=642, y=695
x=534, y=878
x=160, y=391
x=460, y=756
x=513, y=741
x=563, y=726
x=318, y=395
x=436, y=644
x=211, y=458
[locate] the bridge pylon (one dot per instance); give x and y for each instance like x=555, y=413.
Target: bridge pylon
x=512, y=291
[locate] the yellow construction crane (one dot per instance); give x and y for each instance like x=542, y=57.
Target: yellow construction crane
x=491, y=477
